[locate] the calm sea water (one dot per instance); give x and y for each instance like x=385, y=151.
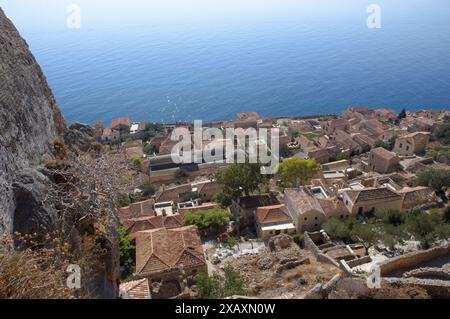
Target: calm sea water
x=177, y=72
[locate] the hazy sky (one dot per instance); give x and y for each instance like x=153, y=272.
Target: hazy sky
x=44, y=14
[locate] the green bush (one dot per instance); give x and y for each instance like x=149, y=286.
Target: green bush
x=336, y=229
x=150, y=149
x=442, y=133
x=438, y=179
x=123, y=200
x=148, y=189
x=213, y=221
x=393, y=217
x=136, y=162
x=127, y=252
x=219, y=287
x=446, y=214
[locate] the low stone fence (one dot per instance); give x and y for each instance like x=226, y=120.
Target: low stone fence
x=435, y=288
x=359, y=261
x=412, y=259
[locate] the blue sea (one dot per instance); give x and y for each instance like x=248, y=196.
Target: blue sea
x=272, y=62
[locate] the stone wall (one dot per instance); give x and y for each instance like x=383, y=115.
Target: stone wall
x=435, y=288
x=412, y=259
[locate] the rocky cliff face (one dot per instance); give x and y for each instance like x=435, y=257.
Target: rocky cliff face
x=30, y=119
x=30, y=124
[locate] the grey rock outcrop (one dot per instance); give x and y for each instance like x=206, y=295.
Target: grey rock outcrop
x=30, y=119
x=30, y=123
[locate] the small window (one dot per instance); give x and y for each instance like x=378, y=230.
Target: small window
x=401, y=145
x=342, y=216
x=346, y=202
x=316, y=225
x=407, y=148
x=315, y=218
x=306, y=218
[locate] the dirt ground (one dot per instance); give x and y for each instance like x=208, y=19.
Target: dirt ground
x=277, y=274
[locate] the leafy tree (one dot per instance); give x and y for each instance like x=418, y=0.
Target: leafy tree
x=127, y=252
x=218, y=286
x=234, y=285
x=423, y=227
x=295, y=171
x=393, y=217
x=213, y=221
x=442, y=133
x=337, y=229
x=365, y=233
x=208, y=287
x=238, y=179
x=152, y=130
x=223, y=199
x=435, y=178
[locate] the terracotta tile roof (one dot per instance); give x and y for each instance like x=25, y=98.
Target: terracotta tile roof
x=340, y=122
x=163, y=250
x=387, y=113
x=303, y=199
x=172, y=194
x=134, y=225
x=333, y=206
x=275, y=214
x=207, y=186
x=305, y=142
x=323, y=141
x=136, y=210
x=204, y=206
x=418, y=137
x=138, y=289
x=383, y=153
x=415, y=196
x=319, y=153
x=120, y=121
x=374, y=126
x=363, y=139
x=371, y=194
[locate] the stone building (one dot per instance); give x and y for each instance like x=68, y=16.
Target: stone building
x=383, y=161
x=311, y=207
x=410, y=144
x=166, y=256
x=369, y=199
x=273, y=220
